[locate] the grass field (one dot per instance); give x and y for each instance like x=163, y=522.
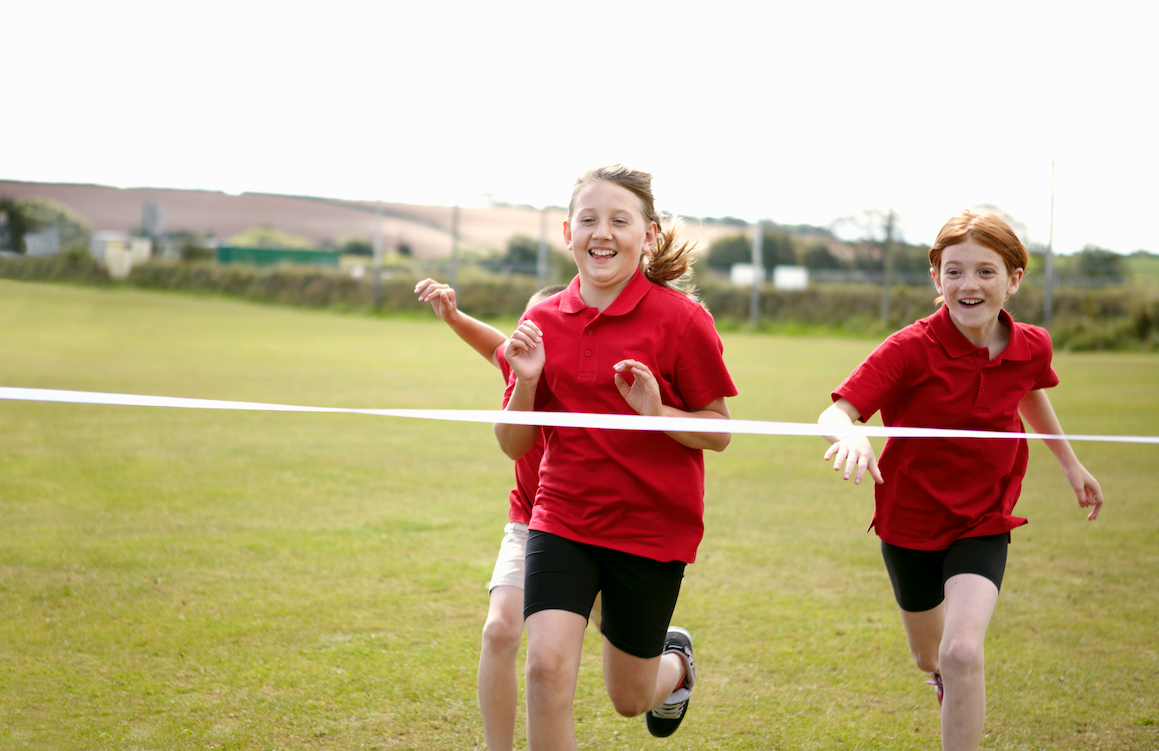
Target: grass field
x=175, y=579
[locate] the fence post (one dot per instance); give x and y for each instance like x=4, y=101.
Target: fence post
x=758, y=275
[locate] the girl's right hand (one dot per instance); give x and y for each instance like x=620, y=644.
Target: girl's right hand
x=524, y=351
x=856, y=453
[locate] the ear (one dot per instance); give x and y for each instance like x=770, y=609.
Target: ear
x=567, y=234
x=937, y=280
x=1014, y=282
x=650, y=237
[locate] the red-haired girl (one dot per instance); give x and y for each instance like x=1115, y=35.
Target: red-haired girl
x=944, y=507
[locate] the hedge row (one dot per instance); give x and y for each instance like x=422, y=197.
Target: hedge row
x=1103, y=318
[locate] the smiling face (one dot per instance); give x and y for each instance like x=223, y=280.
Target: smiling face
x=975, y=282
x=607, y=234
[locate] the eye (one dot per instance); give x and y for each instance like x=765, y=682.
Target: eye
x=620, y=222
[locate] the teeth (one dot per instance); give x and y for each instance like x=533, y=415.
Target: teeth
x=971, y=302
x=603, y=253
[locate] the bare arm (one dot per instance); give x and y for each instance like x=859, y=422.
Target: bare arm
x=1037, y=410
x=525, y=355
x=855, y=452
x=483, y=338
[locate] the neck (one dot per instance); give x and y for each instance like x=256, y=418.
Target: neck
x=992, y=335
x=600, y=297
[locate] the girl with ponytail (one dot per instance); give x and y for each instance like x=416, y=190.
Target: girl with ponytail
x=616, y=511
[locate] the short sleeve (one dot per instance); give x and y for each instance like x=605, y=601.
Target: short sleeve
x=873, y=383
x=701, y=375
x=1044, y=352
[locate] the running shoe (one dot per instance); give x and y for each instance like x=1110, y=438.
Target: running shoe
x=939, y=689
x=664, y=719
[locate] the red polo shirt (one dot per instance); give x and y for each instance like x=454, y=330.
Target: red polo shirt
x=526, y=466
x=929, y=375
x=640, y=492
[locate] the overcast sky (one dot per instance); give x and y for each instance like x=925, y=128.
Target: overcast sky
x=799, y=115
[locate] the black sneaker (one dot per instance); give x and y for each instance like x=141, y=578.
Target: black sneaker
x=664, y=719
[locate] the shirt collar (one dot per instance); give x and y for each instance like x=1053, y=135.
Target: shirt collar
x=957, y=345
x=629, y=297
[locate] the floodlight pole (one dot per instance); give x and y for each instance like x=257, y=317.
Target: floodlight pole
x=454, y=272
x=1048, y=296
x=377, y=265
x=887, y=264
x=541, y=252
x=758, y=275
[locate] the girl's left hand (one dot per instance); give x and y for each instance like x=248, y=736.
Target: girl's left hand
x=1086, y=489
x=644, y=394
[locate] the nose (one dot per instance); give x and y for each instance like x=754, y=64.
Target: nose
x=604, y=229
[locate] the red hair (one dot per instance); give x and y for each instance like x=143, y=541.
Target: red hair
x=988, y=230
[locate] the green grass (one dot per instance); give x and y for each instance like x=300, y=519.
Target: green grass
x=1144, y=268
x=175, y=579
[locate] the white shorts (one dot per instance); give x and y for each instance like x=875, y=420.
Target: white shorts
x=509, y=566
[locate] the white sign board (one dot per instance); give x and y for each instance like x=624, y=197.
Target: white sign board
x=790, y=277
x=741, y=274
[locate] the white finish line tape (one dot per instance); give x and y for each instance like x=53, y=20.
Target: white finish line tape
x=552, y=419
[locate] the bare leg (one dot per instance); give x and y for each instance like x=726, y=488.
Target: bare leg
x=970, y=601
x=637, y=684
x=949, y=640
x=923, y=631
x=498, y=682
x=554, y=642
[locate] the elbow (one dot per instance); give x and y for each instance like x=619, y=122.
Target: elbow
x=719, y=441
x=510, y=444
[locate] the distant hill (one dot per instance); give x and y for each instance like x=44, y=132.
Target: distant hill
x=425, y=229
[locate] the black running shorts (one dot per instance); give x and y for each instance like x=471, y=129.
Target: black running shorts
x=919, y=576
x=639, y=594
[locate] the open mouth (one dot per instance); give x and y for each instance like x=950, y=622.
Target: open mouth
x=601, y=253
x=969, y=303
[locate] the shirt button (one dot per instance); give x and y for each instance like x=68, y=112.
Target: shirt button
x=589, y=353
x=590, y=332
x=591, y=315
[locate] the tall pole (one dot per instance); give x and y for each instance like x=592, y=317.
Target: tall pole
x=758, y=275
x=454, y=273
x=887, y=262
x=1048, y=297
x=541, y=252
x=377, y=265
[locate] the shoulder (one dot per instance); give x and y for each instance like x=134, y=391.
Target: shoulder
x=1037, y=338
x=544, y=312
x=917, y=336
x=676, y=306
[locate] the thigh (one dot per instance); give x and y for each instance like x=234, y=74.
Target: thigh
x=638, y=599
x=970, y=601
x=560, y=575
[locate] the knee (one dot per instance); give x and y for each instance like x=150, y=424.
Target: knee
x=962, y=655
x=501, y=635
x=549, y=682
x=926, y=659
x=628, y=705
